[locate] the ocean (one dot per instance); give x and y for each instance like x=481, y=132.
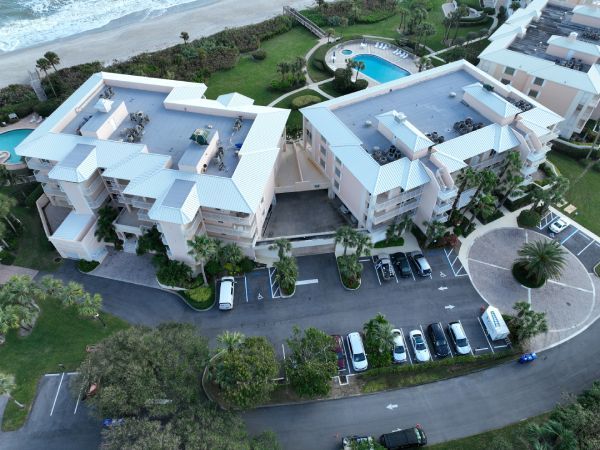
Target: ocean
x=25, y=23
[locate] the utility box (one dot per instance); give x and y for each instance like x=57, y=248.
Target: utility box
x=494, y=323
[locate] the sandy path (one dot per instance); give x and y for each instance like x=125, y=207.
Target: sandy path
x=122, y=42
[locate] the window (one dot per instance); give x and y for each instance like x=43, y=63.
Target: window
x=323, y=151
x=509, y=70
x=538, y=81
x=337, y=172
x=336, y=184
x=579, y=107
x=337, y=160
x=581, y=123
x=504, y=81
x=533, y=93
x=308, y=134
x=322, y=162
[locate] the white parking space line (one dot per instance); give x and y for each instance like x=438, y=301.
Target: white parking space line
x=470, y=346
x=411, y=272
x=395, y=276
x=426, y=343
x=406, y=347
x=570, y=236
x=488, y=264
x=78, y=399
x=246, y=287
x=303, y=282
x=283, y=351
x=52, y=374
x=376, y=271
x=57, y=392
x=585, y=248
x=447, y=337
x=485, y=335
x=546, y=220
x=569, y=286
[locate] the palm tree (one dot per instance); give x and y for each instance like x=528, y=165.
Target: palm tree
x=528, y=323
x=363, y=245
x=552, y=435
x=350, y=269
x=404, y=224
x=484, y=206
x=7, y=386
x=21, y=290
x=358, y=66
x=515, y=5
x=424, y=29
x=43, y=64
x=424, y=63
x=512, y=164
x=283, y=247
x=51, y=286
x=72, y=293
x=486, y=181
x=330, y=32
x=202, y=248
x=283, y=68
x=466, y=178
x=105, y=228
x=7, y=204
x=557, y=193
x=287, y=274
x=460, y=12
x=89, y=305
x=10, y=319
x=379, y=331
x=346, y=236
x=231, y=254
x=230, y=340
x=511, y=183
x=53, y=59
x=185, y=36
x=542, y=260
x=433, y=231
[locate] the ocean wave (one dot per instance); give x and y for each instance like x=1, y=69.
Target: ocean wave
x=47, y=20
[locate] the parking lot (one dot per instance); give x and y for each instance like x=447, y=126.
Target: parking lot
x=586, y=249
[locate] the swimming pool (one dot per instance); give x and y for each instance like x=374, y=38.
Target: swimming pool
x=347, y=52
x=381, y=70
x=9, y=140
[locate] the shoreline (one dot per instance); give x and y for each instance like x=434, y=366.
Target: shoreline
x=122, y=39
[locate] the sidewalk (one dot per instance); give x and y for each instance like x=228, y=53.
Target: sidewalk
x=6, y=272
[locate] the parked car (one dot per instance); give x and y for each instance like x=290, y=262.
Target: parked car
x=226, y=293
x=400, y=261
x=419, y=346
x=421, y=264
x=384, y=265
x=558, y=225
x=408, y=438
x=352, y=442
x=399, y=350
x=357, y=352
x=440, y=343
x=459, y=338
x=338, y=348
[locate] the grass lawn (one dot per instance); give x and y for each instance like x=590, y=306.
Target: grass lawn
x=295, y=119
x=583, y=192
x=507, y=437
x=32, y=248
x=253, y=78
x=60, y=336
x=328, y=88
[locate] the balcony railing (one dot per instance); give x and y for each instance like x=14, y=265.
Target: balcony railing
x=405, y=196
x=378, y=218
x=488, y=162
x=98, y=201
x=51, y=190
x=36, y=164
x=447, y=194
x=441, y=208
x=141, y=204
x=536, y=156
x=226, y=218
x=528, y=170
x=42, y=177
x=93, y=187
x=231, y=231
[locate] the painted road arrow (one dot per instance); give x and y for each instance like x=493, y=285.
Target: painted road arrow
x=449, y=306
x=442, y=288
x=390, y=406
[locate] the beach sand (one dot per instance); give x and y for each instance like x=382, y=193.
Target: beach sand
x=122, y=42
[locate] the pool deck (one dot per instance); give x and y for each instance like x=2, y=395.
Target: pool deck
x=24, y=123
x=369, y=49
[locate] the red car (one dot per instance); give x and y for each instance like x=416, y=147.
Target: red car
x=338, y=348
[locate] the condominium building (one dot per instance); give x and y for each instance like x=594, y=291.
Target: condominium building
x=163, y=155
x=396, y=149
x=549, y=51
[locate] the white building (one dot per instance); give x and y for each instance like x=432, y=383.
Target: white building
x=549, y=51
x=395, y=149
x=127, y=141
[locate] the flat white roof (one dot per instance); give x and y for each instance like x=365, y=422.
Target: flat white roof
x=74, y=226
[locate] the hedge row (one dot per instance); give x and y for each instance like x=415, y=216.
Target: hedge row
x=575, y=153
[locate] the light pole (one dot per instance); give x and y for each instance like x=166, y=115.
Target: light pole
x=97, y=316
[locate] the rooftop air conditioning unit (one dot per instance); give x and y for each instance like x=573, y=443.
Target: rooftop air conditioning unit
x=399, y=117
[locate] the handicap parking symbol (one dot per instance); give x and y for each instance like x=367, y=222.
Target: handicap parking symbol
x=260, y=297
x=442, y=275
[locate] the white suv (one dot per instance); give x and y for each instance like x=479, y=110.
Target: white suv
x=357, y=352
x=459, y=338
x=226, y=293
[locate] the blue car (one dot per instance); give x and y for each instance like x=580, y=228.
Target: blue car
x=109, y=423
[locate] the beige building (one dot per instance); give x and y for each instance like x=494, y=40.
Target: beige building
x=549, y=51
x=163, y=155
x=396, y=149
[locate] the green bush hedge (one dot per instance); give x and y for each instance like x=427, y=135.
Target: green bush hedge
x=305, y=100
x=7, y=258
x=259, y=54
x=34, y=195
x=575, y=153
x=529, y=219
x=87, y=266
x=46, y=108
x=175, y=274
x=513, y=205
x=201, y=297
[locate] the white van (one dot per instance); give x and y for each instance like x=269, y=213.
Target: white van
x=226, y=293
x=494, y=323
x=357, y=352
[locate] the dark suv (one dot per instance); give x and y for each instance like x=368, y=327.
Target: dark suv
x=400, y=261
x=440, y=343
x=398, y=439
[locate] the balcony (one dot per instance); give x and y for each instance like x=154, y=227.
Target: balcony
x=93, y=187
x=440, y=217
x=143, y=216
x=51, y=190
x=245, y=232
x=141, y=204
x=378, y=218
x=528, y=170
x=441, y=208
x=398, y=199
x=445, y=194
x=226, y=218
x=128, y=222
x=536, y=157
x=488, y=162
x=98, y=201
x=42, y=177
x=36, y=164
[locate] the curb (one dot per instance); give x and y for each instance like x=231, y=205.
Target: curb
x=342, y=281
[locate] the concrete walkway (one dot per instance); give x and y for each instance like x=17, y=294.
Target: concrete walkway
x=6, y=272
x=127, y=267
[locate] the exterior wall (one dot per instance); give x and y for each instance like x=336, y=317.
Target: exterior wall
x=87, y=248
x=428, y=201
x=76, y=197
x=485, y=111
x=353, y=194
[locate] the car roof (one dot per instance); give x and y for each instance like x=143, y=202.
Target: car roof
x=458, y=330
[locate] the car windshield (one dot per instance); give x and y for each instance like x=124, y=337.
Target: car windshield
x=419, y=344
x=461, y=342
x=399, y=349
x=359, y=357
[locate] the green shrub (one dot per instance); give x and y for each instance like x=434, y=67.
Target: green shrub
x=489, y=11
x=259, y=54
x=575, y=153
x=212, y=268
x=87, y=266
x=201, y=297
x=7, y=258
x=305, y=100
x=513, y=205
x=16, y=93
x=247, y=265
x=46, y=108
x=34, y=195
x=175, y=274
x=151, y=242
x=528, y=219
x=394, y=242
